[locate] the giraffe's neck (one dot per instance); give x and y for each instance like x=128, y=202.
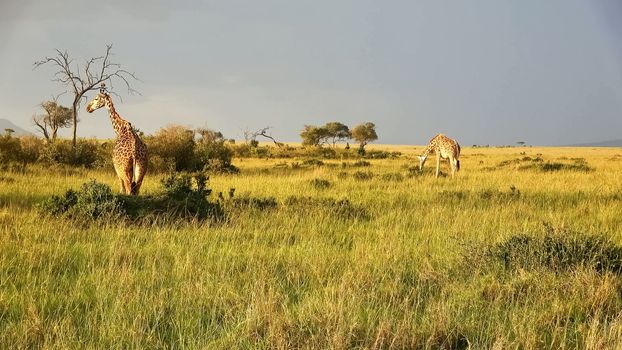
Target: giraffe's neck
x=119, y=124
x=429, y=149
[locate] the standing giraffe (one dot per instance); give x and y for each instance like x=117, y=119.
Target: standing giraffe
x=445, y=148
x=129, y=155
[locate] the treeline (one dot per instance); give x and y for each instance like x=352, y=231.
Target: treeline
x=333, y=132
x=172, y=148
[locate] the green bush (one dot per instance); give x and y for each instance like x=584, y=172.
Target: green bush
x=174, y=143
x=91, y=202
x=312, y=162
x=176, y=148
x=340, y=209
x=88, y=153
x=363, y=175
x=320, y=184
x=31, y=148
x=215, y=155
x=396, y=177
x=379, y=154
x=257, y=203
x=538, y=164
x=157, y=164
x=183, y=198
x=558, y=252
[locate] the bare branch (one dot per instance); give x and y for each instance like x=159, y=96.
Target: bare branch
x=79, y=79
x=252, y=135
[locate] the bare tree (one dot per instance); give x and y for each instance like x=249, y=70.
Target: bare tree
x=55, y=117
x=252, y=135
x=79, y=79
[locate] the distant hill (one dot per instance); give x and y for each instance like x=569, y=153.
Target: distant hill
x=608, y=143
x=7, y=124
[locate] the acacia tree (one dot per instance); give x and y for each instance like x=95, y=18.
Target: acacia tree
x=363, y=134
x=55, y=117
x=337, y=131
x=79, y=79
x=313, y=136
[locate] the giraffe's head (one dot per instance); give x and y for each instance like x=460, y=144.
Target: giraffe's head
x=97, y=102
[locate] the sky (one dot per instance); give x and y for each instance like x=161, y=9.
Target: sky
x=482, y=72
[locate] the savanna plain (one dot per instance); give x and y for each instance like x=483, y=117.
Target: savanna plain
x=521, y=250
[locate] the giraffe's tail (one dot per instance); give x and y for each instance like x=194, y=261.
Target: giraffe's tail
x=133, y=190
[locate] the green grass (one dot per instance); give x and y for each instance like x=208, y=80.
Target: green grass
x=292, y=269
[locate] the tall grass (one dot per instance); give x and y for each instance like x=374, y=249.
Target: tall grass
x=410, y=273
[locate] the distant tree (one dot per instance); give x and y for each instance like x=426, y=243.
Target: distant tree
x=313, y=136
x=520, y=143
x=337, y=131
x=54, y=118
x=208, y=135
x=363, y=134
x=80, y=79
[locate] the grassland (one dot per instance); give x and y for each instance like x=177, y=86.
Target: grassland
x=410, y=273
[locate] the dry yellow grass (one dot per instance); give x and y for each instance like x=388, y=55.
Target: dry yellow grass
x=295, y=277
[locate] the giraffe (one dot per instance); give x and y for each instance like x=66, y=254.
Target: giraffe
x=129, y=155
x=445, y=148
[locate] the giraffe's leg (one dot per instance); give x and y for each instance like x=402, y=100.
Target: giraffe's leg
x=120, y=174
x=438, y=164
x=451, y=166
x=140, y=168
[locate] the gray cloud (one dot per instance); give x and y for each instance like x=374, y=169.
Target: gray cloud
x=493, y=73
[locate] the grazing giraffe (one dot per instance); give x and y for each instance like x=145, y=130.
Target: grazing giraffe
x=445, y=148
x=129, y=155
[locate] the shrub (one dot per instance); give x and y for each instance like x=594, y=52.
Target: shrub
x=538, y=164
x=258, y=203
x=157, y=164
x=10, y=150
x=59, y=205
x=176, y=143
x=91, y=202
x=555, y=166
x=361, y=163
x=183, y=198
x=392, y=177
x=312, y=162
x=213, y=154
x=558, y=252
x=88, y=153
x=341, y=209
x=497, y=195
x=95, y=200
x=363, y=175
x=320, y=184
x=413, y=171
x=379, y=154
x=31, y=148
